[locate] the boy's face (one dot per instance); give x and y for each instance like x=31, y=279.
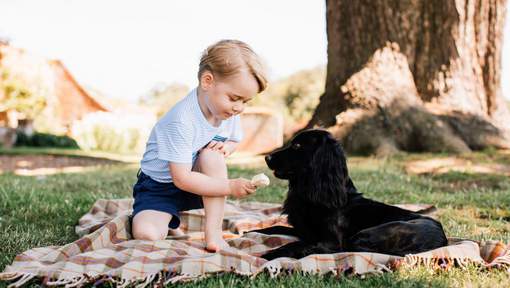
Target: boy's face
x=228, y=96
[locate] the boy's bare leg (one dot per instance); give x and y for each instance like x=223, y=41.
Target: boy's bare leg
x=214, y=212
x=176, y=232
x=150, y=225
x=212, y=163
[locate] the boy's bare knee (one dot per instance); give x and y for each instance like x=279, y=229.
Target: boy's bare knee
x=210, y=161
x=208, y=155
x=148, y=232
x=144, y=227
x=150, y=225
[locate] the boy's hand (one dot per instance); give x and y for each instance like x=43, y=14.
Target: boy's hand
x=241, y=187
x=224, y=148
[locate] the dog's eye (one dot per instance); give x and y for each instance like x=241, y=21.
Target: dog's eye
x=296, y=146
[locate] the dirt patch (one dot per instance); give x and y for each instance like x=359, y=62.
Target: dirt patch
x=458, y=174
x=452, y=183
x=48, y=164
x=454, y=164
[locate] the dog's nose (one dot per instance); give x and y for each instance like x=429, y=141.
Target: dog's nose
x=268, y=158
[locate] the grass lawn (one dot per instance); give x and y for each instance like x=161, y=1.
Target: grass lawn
x=42, y=211
x=70, y=152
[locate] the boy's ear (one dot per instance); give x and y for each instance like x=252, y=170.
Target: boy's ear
x=206, y=80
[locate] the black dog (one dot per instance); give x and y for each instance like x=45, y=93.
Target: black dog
x=328, y=215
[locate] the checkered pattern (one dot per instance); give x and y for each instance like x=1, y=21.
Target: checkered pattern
x=107, y=252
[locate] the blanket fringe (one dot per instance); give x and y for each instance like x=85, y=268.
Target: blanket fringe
x=448, y=262
x=161, y=277
x=148, y=280
x=411, y=261
x=12, y=276
x=274, y=269
x=182, y=278
x=24, y=278
x=122, y=282
x=77, y=282
x=381, y=268
x=68, y=283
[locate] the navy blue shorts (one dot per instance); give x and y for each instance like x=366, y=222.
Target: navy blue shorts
x=165, y=197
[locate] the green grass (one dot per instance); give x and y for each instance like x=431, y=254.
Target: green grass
x=70, y=152
x=42, y=211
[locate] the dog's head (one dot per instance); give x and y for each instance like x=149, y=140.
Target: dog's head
x=313, y=157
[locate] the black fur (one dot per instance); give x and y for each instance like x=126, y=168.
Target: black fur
x=328, y=215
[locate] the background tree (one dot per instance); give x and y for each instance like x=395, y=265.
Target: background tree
x=24, y=84
x=295, y=96
x=163, y=96
x=414, y=75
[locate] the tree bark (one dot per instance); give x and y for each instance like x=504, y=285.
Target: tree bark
x=451, y=50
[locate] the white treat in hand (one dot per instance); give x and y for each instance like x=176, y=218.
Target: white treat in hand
x=260, y=180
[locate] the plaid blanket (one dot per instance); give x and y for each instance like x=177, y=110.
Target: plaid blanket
x=107, y=252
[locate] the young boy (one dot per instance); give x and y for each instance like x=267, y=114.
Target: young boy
x=183, y=166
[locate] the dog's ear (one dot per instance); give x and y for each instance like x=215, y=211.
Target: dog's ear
x=329, y=175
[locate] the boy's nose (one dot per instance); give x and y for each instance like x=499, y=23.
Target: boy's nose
x=237, y=109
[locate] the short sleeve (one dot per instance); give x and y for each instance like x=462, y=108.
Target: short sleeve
x=174, y=142
x=237, y=130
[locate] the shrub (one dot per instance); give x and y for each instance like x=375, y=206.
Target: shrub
x=44, y=140
x=296, y=95
x=162, y=97
x=113, y=132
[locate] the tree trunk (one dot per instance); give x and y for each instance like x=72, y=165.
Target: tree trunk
x=430, y=69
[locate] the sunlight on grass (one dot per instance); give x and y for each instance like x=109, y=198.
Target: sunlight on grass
x=53, y=171
x=42, y=211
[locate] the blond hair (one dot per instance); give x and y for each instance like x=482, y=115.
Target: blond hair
x=227, y=57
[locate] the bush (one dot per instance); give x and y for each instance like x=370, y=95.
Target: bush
x=44, y=140
x=26, y=82
x=113, y=132
x=163, y=97
x=296, y=95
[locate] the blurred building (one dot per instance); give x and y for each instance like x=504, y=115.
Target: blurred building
x=65, y=99
x=69, y=100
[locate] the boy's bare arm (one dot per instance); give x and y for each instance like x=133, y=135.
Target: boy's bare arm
x=226, y=148
x=198, y=183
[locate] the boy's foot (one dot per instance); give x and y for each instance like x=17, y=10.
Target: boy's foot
x=215, y=246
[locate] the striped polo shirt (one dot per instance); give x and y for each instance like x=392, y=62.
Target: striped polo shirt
x=180, y=133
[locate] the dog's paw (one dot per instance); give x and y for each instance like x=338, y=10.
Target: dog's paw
x=278, y=253
x=269, y=256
